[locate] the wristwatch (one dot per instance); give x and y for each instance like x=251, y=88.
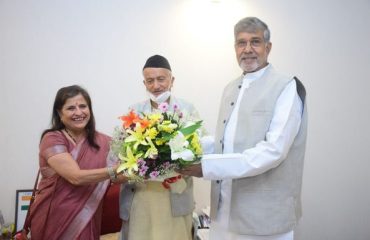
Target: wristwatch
x=112, y=174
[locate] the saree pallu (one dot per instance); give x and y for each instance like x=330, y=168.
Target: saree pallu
x=62, y=210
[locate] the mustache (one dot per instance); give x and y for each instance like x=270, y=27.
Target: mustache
x=245, y=56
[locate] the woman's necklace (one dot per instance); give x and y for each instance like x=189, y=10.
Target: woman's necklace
x=70, y=135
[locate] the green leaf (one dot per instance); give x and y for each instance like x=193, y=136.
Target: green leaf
x=191, y=129
x=167, y=136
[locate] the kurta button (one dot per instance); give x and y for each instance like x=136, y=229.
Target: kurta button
x=232, y=103
x=240, y=86
x=217, y=181
x=220, y=141
x=224, y=121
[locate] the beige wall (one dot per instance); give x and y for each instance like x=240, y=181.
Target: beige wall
x=102, y=45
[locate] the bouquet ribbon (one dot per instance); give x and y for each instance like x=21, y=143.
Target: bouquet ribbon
x=176, y=184
x=166, y=183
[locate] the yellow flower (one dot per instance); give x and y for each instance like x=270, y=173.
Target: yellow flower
x=154, y=117
x=139, y=128
x=160, y=141
x=129, y=161
x=151, y=133
x=195, y=143
x=137, y=137
x=152, y=152
x=167, y=126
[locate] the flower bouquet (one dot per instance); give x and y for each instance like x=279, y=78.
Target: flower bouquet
x=151, y=145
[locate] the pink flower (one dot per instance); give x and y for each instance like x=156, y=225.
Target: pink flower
x=163, y=107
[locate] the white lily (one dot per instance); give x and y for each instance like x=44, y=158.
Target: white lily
x=178, y=146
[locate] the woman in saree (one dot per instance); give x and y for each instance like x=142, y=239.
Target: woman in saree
x=75, y=173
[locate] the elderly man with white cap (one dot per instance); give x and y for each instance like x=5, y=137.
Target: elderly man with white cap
x=149, y=210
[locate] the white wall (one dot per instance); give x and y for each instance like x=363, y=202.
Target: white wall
x=102, y=45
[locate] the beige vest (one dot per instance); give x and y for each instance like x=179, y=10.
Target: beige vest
x=268, y=203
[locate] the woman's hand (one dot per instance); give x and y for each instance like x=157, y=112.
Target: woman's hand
x=65, y=166
x=120, y=178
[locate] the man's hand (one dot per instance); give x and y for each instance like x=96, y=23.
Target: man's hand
x=192, y=170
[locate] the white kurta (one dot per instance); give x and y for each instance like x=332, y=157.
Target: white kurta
x=253, y=161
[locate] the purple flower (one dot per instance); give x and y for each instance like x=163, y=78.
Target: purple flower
x=166, y=165
x=143, y=170
x=141, y=162
x=154, y=174
x=175, y=107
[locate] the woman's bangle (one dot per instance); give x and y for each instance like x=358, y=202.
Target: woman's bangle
x=112, y=174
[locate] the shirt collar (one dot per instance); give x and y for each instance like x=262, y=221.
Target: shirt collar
x=250, y=77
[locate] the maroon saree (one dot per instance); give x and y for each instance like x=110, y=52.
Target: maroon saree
x=62, y=210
